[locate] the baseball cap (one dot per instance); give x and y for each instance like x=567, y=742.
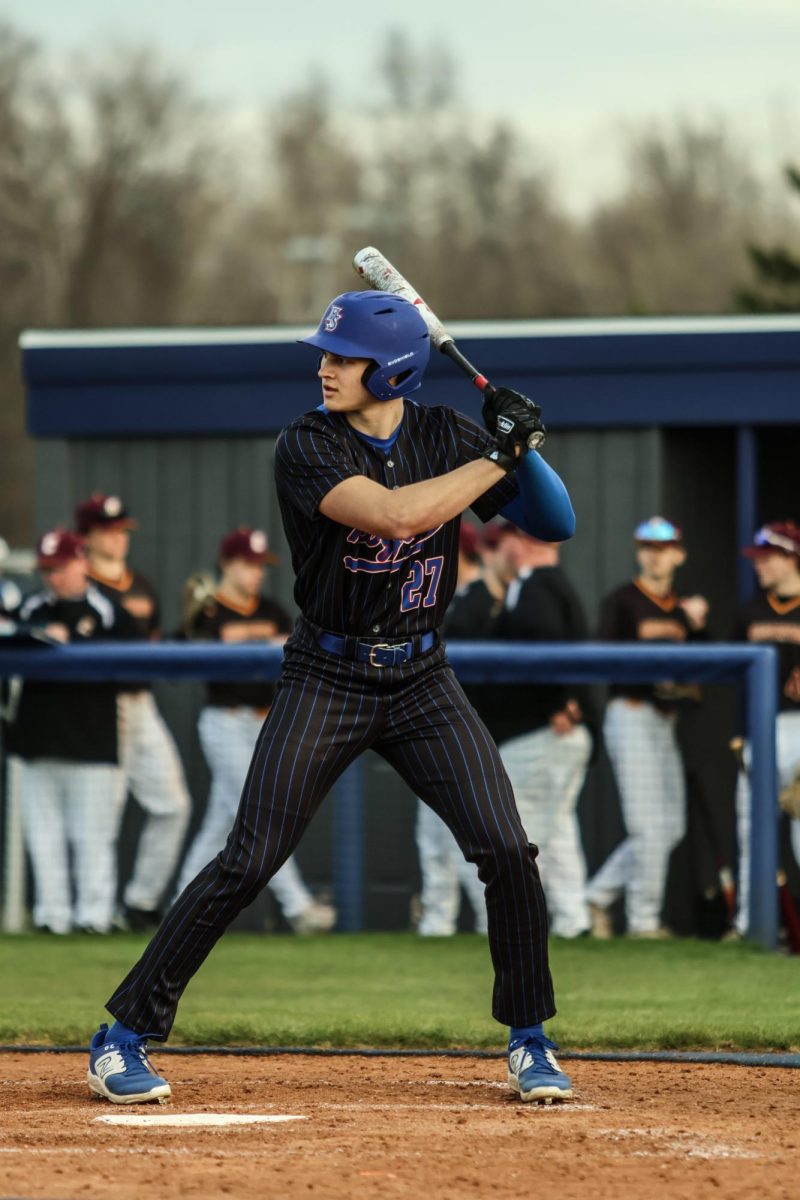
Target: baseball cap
x=493, y=534
x=102, y=511
x=468, y=540
x=658, y=531
x=781, y=536
x=250, y=544
x=57, y=547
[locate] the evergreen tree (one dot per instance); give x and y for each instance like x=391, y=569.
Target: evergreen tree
x=777, y=269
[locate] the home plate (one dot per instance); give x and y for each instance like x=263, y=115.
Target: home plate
x=194, y=1120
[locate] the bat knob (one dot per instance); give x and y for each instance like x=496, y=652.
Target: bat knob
x=536, y=440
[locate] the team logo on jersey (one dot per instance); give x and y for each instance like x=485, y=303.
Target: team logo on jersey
x=332, y=317
x=385, y=554
x=86, y=626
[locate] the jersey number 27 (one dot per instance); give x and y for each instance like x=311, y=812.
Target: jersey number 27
x=423, y=577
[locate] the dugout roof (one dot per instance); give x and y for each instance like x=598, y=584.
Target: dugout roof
x=635, y=373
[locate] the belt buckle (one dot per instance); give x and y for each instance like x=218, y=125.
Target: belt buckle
x=380, y=646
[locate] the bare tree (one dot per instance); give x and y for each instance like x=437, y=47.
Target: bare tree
x=143, y=193
x=673, y=241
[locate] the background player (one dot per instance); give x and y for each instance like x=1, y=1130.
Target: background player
x=151, y=765
x=233, y=714
x=544, y=741
x=371, y=488
x=444, y=870
x=639, y=730
x=66, y=736
x=773, y=617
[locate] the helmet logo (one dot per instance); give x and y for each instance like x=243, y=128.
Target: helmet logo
x=332, y=317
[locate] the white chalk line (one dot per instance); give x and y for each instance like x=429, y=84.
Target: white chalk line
x=696, y=1145
x=197, y=1120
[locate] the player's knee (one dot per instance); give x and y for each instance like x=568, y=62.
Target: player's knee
x=506, y=854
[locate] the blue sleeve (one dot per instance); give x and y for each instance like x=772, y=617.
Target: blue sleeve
x=543, y=507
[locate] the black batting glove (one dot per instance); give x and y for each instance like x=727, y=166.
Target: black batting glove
x=513, y=419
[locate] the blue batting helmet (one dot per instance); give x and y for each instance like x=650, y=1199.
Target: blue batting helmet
x=384, y=328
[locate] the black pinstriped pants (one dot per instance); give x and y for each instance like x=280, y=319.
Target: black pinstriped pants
x=327, y=711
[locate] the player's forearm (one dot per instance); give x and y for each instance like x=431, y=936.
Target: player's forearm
x=418, y=507
x=400, y=513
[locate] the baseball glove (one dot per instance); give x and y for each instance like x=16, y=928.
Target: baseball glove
x=514, y=422
x=789, y=797
x=196, y=592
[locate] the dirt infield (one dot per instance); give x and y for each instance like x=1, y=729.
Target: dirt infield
x=430, y=1128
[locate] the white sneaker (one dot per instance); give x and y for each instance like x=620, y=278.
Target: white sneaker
x=316, y=918
x=602, y=925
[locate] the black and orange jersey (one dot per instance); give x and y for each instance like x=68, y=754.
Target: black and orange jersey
x=65, y=719
x=632, y=613
x=775, y=620
x=136, y=594
x=133, y=592
x=210, y=623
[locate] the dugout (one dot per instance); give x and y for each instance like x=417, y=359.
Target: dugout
x=698, y=418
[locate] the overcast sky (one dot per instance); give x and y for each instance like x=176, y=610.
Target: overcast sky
x=569, y=73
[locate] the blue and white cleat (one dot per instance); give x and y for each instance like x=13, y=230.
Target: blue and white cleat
x=534, y=1073
x=121, y=1072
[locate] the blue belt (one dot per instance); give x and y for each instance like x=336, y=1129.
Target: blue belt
x=376, y=654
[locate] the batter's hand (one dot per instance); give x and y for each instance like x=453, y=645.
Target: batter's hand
x=513, y=420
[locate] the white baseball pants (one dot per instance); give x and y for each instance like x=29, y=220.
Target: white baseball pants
x=228, y=737
x=547, y=773
x=68, y=811
x=787, y=748
x=652, y=787
x=444, y=872
x=153, y=773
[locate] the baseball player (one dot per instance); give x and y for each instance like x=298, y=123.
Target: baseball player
x=544, y=741
x=639, y=730
x=10, y=595
x=773, y=617
x=151, y=766
x=371, y=487
x=233, y=714
x=65, y=735
x=444, y=870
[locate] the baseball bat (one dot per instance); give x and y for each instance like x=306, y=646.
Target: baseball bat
x=383, y=277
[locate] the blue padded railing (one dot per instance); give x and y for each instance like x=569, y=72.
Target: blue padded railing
x=474, y=662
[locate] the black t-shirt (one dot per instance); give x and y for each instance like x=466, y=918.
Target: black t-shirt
x=209, y=623
x=138, y=597
x=74, y=721
x=633, y=614
x=774, y=621
x=470, y=618
x=352, y=582
x=542, y=606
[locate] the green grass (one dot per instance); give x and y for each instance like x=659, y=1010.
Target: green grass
x=399, y=990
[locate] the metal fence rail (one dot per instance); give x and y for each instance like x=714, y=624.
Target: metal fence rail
x=755, y=667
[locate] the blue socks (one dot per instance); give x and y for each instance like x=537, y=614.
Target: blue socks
x=521, y=1033
x=120, y=1033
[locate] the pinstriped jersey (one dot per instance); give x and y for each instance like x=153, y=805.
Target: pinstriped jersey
x=350, y=581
